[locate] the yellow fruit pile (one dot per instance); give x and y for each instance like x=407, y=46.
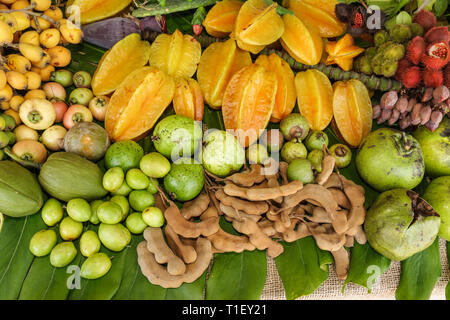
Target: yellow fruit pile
x=255, y=24
x=34, y=34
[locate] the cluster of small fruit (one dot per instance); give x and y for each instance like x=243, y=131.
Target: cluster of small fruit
x=383, y=58
x=7, y=136
x=304, y=150
x=414, y=107
x=38, y=118
x=130, y=208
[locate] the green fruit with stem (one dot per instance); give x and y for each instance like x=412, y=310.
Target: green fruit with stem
x=153, y=186
x=81, y=96
x=316, y=140
x=316, y=158
x=82, y=79
x=300, y=169
x=342, y=155
x=293, y=150
x=294, y=126
x=63, y=77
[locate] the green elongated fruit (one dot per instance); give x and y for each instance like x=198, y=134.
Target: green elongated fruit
x=18, y=186
x=67, y=176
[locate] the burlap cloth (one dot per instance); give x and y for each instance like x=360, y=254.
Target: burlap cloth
x=331, y=289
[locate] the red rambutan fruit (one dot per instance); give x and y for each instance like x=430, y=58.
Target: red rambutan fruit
x=436, y=55
x=432, y=78
x=447, y=75
x=416, y=49
x=438, y=34
x=402, y=65
x=411, y=77
x=426, y=19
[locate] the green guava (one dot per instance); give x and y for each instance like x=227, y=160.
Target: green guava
x=389, y=159
x=400, y=224
x=222, y=153
x=436, y=148
x=437, y=195
x=177, y=136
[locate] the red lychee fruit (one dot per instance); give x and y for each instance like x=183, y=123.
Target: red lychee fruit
x=426, y=19
x=402, y=65
x=411, y=77
x=416, y=49
x=436, y=55
x=432, y=78
x=438, y=34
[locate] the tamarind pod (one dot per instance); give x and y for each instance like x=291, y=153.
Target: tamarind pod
x=394, y=117
x=319, y=215
x=342, y=262
x=257, y=237
x=440, y=94
x=355, y=195
x=267, y=227
x=376, y=112
x=249, y=207
x=340, y=198
x=283, y=172
x=427, y=95
x=333, y=182
x=411, y=103
x=196, y=207
x=272, y=182
x=425, y=114
x=388, y=100
x=405, y=122
x=163, y=254
x=326, y=238
x=415, y=114
x=328, y=163
x=158, y=275
x=349, y=241
x=248, y=178
x=385, y=115
x=326, y=200
x=298, y=230
x=189, y=229
x=210, y=212
x=232, y=213
x=360, y=235
x=262, y=194
x=402, y=104
x=186, y=252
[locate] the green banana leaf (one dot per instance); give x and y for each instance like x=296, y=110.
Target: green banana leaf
x=303, y=267
x=366, y=266
x=420, y=274
x=15, y=257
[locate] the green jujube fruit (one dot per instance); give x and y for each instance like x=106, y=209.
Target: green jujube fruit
x=89, y=243
x=115, y=237
x=96, y=266
x=141, y=199
x=67, y=176
x=185, y=180
x=400, y=224
x=113, y=179
x=79, y=210
x=18, y=186
x=42, y=243
x=124, y=190
x=437, y=195
x=94, y=207
x=137, y=180
x=153, y=186
x=135, y=223
x=122, y=201
x=63, y=254
x=155, y=165
x=109, y=212
x=70, y=229
x=52, y=212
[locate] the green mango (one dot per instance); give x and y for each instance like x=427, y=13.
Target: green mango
x=400, y=224
x=67, y=176
x=20, y=193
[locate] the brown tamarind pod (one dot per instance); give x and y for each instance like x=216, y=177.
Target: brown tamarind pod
x=427, y=95
x=402, y=104
x=425, y=114
x=440, y=94
x=415, y=114
x=376, y=112
x=385, y=115
x=411, y=103
x=389, y=99
x=394, y=117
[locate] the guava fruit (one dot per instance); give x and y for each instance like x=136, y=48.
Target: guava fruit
x=400, y=224
x=437, y=195
x=222, y=153
x=177, y=136
x=185, y=179
x=389, y=159
x=436, y=148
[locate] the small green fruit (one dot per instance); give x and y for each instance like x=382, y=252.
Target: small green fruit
x=135, y=223
x=79, y=210
x=113, y=179
x=154, y=217
x=141, y=199
x=94, y=207
x=70, y=229
x=89, y=243
x=316, y=140
x=257, y=153
x=96, y=266
x=122, y=201
x=294, y=126
x=115, y=237
x=109, y=212
x=137, y=180
x=293, y=150
x=42, y=243
x=52, y=212
x=155, y=165
x=300, y=169
x=63, y=254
